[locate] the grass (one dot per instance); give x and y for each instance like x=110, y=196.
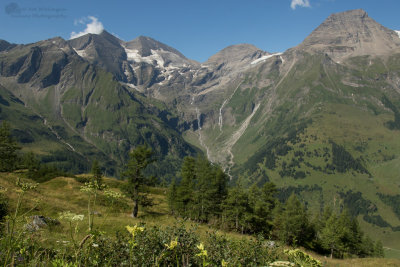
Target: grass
x=63, y=194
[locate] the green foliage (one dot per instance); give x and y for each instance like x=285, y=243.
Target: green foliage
x=301, y=258
x=344, y=161
x=291, y=224
x=341, y=236
x=393, y=125
x=378, y=221
x=140, y=158
x=40, y=172
x=4, y=206
x=96, y=172
x=250, y=210
x=8, y=149
x=285, y=192
x=201, y=191
x=243, y=252
x=356, y=204
x=393, y=201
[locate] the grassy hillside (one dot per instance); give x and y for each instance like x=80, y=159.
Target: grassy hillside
x=64, y=194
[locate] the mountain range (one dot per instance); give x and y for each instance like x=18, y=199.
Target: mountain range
x=320, y=119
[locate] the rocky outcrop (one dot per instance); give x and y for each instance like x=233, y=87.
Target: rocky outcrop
x=40, y=222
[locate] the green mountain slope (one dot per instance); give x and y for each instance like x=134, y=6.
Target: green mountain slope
x=322, y=125
x=87, y=108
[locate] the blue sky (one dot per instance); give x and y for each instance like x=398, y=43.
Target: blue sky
x=197, y=28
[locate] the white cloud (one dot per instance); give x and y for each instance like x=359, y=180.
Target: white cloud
x=94, y=26
x=301, y=3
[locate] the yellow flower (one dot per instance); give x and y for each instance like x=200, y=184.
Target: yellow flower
x=172, y=244
x=200, y=246
x=203, y=252
x=134, y=229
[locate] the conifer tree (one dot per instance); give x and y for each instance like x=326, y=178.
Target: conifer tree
x=378, y=250
x=263, y=201
x=237, y=207
x=204, y=189
x=140, y=158
x=8, y=148
x=185, y=190
x=330, y=235
x=31, y=163
x=291, y=225
x=172, y=196
x=96, y=172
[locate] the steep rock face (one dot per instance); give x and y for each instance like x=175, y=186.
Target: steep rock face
x=351, y=33
x=103, y=50
x=144, y=45
x=4, y=45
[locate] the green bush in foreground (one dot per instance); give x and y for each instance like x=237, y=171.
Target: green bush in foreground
x=141, y=246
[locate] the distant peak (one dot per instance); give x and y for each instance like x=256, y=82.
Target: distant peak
x=351, y=13
x=145, y=44
x=351, y=33
x=248, y=47
x=236, y=53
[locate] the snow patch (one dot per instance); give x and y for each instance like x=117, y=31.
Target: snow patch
x=398, y=33
x=81, y=53
x=133, y=55
x=263, y=58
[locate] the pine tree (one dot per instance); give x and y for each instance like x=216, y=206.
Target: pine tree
x=219, y=191
x=237, y=208
x=31, y=163
x=330, y=235
x=172, y=197
x=8, y=148
x=204, y=189
x=185, y=190
x=140, y=158
x=378, y=250
x=291, y=225
x=96, y=172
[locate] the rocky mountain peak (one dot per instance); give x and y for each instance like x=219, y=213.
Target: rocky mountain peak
x=104, y=39
x=145, y=44
x=236, y=53
x=4, y=45
x=351, y=33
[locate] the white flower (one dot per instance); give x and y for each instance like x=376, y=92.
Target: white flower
x=72, y=217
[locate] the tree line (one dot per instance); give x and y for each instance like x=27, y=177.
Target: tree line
x=203, y=195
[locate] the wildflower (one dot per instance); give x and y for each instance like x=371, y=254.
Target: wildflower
x=72, y=217
x=25, y=186
x=134, y=229
x=95, y=245
x=112, y=194
x=203, y=252
x=282, y=263
x=172, y=244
